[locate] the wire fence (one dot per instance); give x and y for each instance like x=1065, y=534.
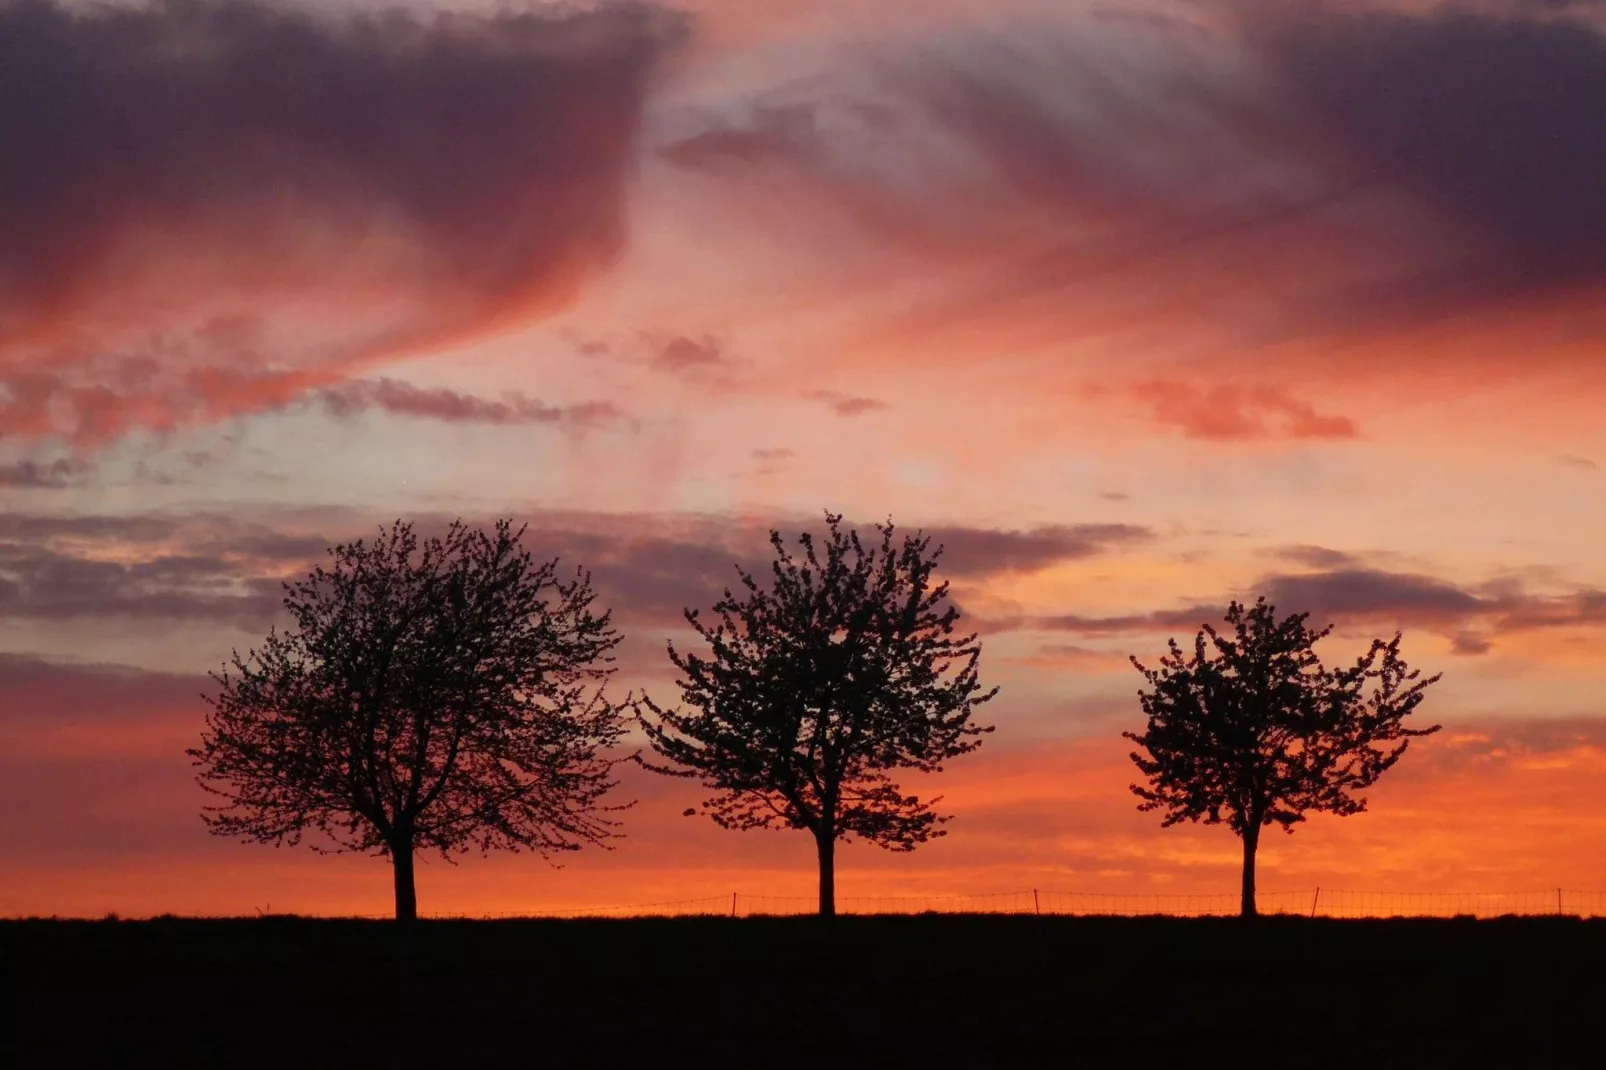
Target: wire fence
x=1313, y=902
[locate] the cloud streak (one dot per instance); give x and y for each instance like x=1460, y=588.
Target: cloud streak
x=42, y=584
x=971, y=552
x=404, y=399
x=648, y=569
x=42, y=475
x=1347, y=596
x=846, y=404
x=682, y=354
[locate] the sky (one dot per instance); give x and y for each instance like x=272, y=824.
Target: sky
x=1137, y=307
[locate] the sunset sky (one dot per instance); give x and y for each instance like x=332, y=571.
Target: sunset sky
x=1139, y=307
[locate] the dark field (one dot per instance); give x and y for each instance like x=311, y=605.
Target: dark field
x=971, y=990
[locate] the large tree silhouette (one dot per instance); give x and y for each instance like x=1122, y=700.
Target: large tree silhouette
x=843, y=669
x=1253, y=731
x=439, y=694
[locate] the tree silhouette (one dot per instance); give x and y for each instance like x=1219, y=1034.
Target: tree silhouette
x=440, y=694
x=1261, y=733
x=820, y=686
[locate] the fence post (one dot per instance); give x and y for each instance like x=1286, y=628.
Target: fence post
x=1037, y=908
x=1317, y=898
x=733, y=904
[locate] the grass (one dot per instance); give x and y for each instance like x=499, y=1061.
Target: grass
x=979, y=990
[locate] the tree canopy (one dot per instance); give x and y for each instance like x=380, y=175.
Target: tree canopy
x=818, y=686
x=1252, y=730
x=442, y=693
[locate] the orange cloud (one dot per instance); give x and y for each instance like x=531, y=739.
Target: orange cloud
x=1227, y=413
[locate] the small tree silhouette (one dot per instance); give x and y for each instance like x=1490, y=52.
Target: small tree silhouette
x=431, y=695
x=1260, y=733
x=819, y=687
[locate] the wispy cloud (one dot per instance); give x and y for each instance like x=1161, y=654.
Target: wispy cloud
x=1320, y=557
x=438, y=403
x=1308, y=169
x=681, y=354
x=846, y=404
x=989, y=552
x=648, y=568
x=58, y=474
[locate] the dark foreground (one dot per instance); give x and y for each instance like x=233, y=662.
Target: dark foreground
x=756, y=992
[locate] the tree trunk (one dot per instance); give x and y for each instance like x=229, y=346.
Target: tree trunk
x=406, y=896
x=1251, y=842
x=827, y=846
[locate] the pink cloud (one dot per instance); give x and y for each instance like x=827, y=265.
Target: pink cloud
x=1226, y=413
x=237, y=203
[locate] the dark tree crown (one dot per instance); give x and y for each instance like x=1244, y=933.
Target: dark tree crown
x=1252, y=730
x=442, y=693
x=845, y=668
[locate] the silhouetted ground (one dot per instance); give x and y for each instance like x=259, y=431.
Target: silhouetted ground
x=759, y=992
